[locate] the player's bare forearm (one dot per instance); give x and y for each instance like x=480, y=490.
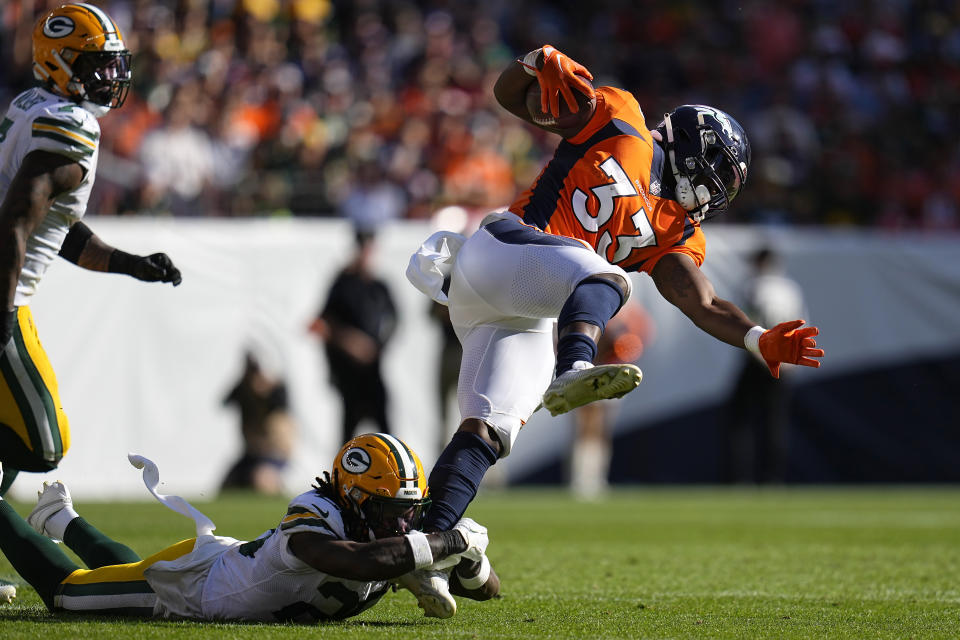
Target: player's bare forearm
x=467, y=570
x=377, y=560
x=85, y=249
x=681, y=283
x=511, y=90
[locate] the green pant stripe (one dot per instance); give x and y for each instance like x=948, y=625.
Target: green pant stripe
x=23, y=403
x=42, y=393
x=104, y=588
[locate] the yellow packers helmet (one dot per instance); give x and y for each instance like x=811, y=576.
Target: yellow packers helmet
x=79, y=53
x=382, y=480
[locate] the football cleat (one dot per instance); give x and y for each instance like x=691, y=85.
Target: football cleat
x=432, y=589
x=54, y=497
x=586, y=383
x=8, y=592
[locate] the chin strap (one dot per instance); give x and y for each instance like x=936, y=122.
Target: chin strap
x=694, y=199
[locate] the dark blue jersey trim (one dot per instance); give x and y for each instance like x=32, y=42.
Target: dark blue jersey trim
x=689, y=228
x=512, y=232
x=546, y=193
x=657, y=167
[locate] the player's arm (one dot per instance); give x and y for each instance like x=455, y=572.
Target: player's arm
x=475, y=580
x=381, y=559
x=84, y=248
x=41, y=178
x=682, y=283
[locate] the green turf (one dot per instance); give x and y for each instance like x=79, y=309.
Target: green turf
x=654, y=563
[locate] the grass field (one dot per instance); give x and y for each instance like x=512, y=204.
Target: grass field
x=646, y=563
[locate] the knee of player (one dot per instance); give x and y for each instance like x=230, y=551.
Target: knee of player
x=486, y=432
x=621, y=283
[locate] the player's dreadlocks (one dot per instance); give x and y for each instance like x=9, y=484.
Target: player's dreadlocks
x=326, y=487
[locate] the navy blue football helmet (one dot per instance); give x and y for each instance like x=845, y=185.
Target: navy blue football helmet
x=709, y=157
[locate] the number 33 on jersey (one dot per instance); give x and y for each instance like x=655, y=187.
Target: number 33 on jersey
x=603, y=187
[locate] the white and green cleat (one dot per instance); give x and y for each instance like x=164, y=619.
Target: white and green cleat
x=8, y=592
x=432, y=589
x=586, y=383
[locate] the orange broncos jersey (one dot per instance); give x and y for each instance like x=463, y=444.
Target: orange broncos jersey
x=603, y=187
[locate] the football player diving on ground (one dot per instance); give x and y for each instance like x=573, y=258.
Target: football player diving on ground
x=333, y=554
x=49, y=143
x=616, y=197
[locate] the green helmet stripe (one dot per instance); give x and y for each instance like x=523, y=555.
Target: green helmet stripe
x=109, y=28
x=406, y=464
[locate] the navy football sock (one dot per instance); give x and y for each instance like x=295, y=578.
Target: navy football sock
x=455, y=479
x=594, y=301
x=572, y=348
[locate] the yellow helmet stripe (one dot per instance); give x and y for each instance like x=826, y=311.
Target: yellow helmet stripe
x=110, y=29
x=406, y=464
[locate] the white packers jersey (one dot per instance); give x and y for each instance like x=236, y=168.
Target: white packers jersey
x=40, y=120
x=262, y=580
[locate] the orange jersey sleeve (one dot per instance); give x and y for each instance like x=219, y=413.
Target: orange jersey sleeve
x=603, y=187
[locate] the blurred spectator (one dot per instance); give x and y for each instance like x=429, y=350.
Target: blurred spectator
x=356, y=323
x=177, y=159
x=759, y=407
x=854, y=105
x=267, y=428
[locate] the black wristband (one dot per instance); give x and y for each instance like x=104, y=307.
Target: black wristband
x=121, y=262
x=9, y=322
x=74, y=243
x=453, y=542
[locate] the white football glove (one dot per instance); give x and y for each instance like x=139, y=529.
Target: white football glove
x=476, y=537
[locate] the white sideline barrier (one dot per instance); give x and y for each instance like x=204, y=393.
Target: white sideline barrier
x=144, y=367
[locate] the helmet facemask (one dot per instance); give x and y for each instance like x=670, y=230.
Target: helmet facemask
x=102, y=77
x=388, y=517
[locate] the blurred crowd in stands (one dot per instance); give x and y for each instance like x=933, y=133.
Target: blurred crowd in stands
x=383, y=109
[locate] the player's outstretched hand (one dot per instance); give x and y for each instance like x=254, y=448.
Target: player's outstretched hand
x=787, y=342
x=558, y=75
x=157, y=267
x=476, y=537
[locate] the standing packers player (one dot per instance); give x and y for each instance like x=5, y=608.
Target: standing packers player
x=332, y=555
x=49, y=140
x=616, y=197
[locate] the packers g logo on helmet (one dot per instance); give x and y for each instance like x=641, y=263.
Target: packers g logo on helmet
x=58, y=27
x=382, y=480
x=78, y=52
x=355, y=460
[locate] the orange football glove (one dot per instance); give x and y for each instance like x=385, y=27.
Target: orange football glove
x=787, y=342
x=559, y=72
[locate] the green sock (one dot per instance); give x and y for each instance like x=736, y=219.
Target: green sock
x=36, y=558
x=95, y=548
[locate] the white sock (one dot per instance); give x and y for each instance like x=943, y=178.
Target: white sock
x=56, y=525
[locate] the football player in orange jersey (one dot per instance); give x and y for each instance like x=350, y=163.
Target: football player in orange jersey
x=616, y=197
